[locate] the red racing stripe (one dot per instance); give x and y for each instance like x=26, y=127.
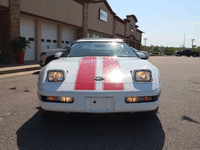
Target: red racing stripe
x=111, y=73
x=86, y=74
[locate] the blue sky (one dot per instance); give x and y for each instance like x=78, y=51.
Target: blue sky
x=164, y=21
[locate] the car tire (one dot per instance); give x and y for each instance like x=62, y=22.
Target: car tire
x=194, y=55
x=49, y=59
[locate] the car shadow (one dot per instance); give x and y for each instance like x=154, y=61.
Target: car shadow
x=91, y=131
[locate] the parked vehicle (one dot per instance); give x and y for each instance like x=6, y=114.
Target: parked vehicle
x=187, y=52
x=99, y=76
x=48, y=55
x=146, y=54
x=157, y=53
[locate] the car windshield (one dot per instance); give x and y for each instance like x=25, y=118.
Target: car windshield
x=99, y=49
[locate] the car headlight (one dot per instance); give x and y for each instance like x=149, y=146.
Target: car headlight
x=55, y=76
x=142, y=76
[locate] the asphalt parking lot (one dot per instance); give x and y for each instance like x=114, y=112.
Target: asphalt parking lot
x=175, y=127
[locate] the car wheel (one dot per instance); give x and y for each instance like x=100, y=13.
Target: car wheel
x=49, y=59
x=194, y=55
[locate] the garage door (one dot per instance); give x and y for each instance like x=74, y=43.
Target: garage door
x=67, y=35
x=49, y=36
x=27, y=29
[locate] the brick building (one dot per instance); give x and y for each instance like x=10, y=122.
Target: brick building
x=50, y=24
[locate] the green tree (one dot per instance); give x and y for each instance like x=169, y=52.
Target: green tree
x=198, y=48
x=156, y=49
x=146, y=48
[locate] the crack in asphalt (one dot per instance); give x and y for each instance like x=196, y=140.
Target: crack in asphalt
x=5, y=114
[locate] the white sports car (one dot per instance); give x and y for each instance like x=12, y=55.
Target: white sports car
x=99, y=76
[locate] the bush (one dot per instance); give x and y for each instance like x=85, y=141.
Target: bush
x=19, y=44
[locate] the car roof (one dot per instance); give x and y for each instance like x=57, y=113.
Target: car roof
x=98, y=40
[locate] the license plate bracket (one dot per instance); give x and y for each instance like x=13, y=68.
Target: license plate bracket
x=99, y=104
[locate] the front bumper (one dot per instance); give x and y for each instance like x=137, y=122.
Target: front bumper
x=42, y=60
x=99, y=102
x=41, y=63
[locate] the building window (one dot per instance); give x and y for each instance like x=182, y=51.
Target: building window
x=31, y=39
x=96, y=35
x=89, y=35
x=132, y=27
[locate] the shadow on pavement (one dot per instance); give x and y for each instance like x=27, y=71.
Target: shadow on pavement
x=91, y=131
x=189, y=119
x=36, y=73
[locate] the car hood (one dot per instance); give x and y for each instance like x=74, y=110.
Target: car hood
x=89, y=73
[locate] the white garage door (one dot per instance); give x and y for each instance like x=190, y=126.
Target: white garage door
x=27, y=29
x=49, y=36
x=67, y=35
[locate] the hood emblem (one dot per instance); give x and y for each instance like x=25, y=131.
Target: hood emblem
x=99, y=78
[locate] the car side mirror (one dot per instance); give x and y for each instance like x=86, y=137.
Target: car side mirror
x=68, y=46
x=141, y=55
x=57, y=55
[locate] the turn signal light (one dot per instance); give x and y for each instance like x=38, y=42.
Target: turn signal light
x=51, y=98
x=60, y=99
x=67, y=99
x=138, y=99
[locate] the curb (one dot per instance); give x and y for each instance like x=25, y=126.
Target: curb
x=19, y=69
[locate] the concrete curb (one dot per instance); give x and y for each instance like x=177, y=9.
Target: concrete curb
x=9, y=70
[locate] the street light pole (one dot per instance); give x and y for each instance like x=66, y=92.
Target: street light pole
x=145, y=41
x=192, y=43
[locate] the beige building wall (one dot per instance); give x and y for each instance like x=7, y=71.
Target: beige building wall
x=94, y=23
x=138, y=35
x=120, y=28
x=4, y=3
x=67, y=11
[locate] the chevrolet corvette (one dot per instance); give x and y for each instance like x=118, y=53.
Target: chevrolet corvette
x=99, y=76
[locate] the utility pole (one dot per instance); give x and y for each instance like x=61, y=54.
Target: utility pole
x=192, y=43
x=145, y=41
x=184, y=41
